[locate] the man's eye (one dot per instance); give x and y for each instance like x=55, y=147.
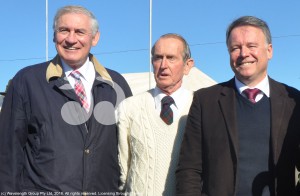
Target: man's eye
x=80, y=33
x=171, y=58
x=158, y=58
x=234, y=49
x=63, y=31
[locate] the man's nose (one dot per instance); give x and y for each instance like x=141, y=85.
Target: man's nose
x=71, y=37
x=164, y=62
x=244, y=51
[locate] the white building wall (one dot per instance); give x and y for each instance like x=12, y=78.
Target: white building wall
x=139, y=82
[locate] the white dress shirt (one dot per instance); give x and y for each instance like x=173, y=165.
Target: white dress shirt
x=263, y=86
x=87, y=76
x=180, y=97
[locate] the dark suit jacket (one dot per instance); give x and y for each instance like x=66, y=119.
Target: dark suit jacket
x=208, y=160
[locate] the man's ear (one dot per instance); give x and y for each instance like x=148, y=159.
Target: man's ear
x=270, y=51
x=96, y=38
x=54, y=37
x=188, y=66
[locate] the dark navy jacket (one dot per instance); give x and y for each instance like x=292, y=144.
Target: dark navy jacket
x=47, y=144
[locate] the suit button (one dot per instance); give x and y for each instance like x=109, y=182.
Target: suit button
x=87, y=151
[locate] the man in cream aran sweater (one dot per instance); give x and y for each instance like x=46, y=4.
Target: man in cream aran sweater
x=148, y=146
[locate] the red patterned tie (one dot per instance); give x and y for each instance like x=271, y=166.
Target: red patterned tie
x=166, y=113
x=251, y=94
x=79, y=90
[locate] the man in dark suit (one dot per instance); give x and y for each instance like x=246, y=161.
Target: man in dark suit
x=237, y=141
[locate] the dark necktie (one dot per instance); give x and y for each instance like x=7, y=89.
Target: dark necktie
x=79, y=90
x=251, y=94
x=166, y=113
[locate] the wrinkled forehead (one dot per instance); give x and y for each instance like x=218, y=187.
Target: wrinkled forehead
x=170, y=44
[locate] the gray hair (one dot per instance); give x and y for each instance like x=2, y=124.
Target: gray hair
x=186, y=52
x=251, y=21
x=77, y=10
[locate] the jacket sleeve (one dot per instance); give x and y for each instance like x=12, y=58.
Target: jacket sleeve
x=123, y=144
x=13, y=131
x=126, y=88
x=120, y=80
x=189, y=171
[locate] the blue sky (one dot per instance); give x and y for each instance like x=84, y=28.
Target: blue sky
x=124, y=27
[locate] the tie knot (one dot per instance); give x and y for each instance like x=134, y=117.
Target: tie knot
x=166, y=111
x=251, y=94
x=167, y=100
x=75, y=74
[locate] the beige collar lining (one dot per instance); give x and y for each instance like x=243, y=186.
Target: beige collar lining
x=54, y=69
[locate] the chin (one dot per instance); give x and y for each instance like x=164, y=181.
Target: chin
x=73, y=64
x=163, y=85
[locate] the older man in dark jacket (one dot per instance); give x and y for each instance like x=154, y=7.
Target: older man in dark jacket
x=58, y=131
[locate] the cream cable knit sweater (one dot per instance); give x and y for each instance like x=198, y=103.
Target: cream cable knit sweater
x=148, y=148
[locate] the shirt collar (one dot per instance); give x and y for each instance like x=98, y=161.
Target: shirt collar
x=263, y=86
x=159, y=95
x=86, y=70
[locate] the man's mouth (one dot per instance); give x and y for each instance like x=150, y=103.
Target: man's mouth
x=245, y=63
x=70, y=48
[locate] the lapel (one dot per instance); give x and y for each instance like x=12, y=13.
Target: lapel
x=56, y=77
x=71, y=112
x=228, y=108
x=280, y=114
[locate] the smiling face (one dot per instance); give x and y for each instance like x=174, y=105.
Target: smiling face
x=74, y=39
x=169, y=65
x=249, y=54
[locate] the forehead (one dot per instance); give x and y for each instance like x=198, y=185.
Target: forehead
x=246, y=33
x=168, y=45
x=76, y=20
